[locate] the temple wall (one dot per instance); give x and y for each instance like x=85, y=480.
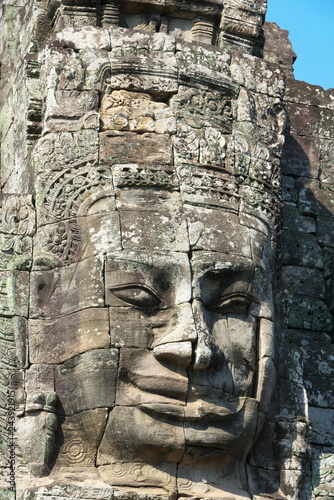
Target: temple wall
x=52, y=103
x=307, y=258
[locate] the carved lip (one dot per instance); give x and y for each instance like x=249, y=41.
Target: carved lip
x=170, y=387
x=211, y=416
x=167, y=411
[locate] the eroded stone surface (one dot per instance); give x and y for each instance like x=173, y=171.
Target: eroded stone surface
x=142, y=327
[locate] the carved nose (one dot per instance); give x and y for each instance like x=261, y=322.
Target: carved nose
x=177, y=353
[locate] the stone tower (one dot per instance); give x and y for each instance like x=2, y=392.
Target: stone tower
x=166, y=270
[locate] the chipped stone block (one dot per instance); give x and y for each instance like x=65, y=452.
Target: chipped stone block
x=67, y=289
x=305, y=93
x=129, y=147
x=87, y=381
x=276, y=37
x=55, y=341
x=88, y=37
x=136, y=112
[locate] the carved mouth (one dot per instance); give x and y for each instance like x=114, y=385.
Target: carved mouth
x=167, y=386
x=208, y=416
x=163, y=410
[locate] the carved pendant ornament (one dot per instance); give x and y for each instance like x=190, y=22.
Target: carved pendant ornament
x=141, y=258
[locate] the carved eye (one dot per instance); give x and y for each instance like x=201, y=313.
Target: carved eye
x=237, y=302
x=137, y=295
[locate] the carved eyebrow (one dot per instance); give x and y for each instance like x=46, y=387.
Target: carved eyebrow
x=125, y=277
x=230, y=273
x=134, y=284
x=221, y=284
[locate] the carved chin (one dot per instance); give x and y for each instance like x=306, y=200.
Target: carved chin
x=168, y=432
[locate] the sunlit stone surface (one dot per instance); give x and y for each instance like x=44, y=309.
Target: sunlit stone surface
x=152, y=346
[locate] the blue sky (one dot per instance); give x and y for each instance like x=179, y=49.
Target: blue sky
x=311, y=27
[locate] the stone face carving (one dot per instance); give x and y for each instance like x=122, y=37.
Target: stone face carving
x=151, y=293
x=140, y=250
x=151, y=312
